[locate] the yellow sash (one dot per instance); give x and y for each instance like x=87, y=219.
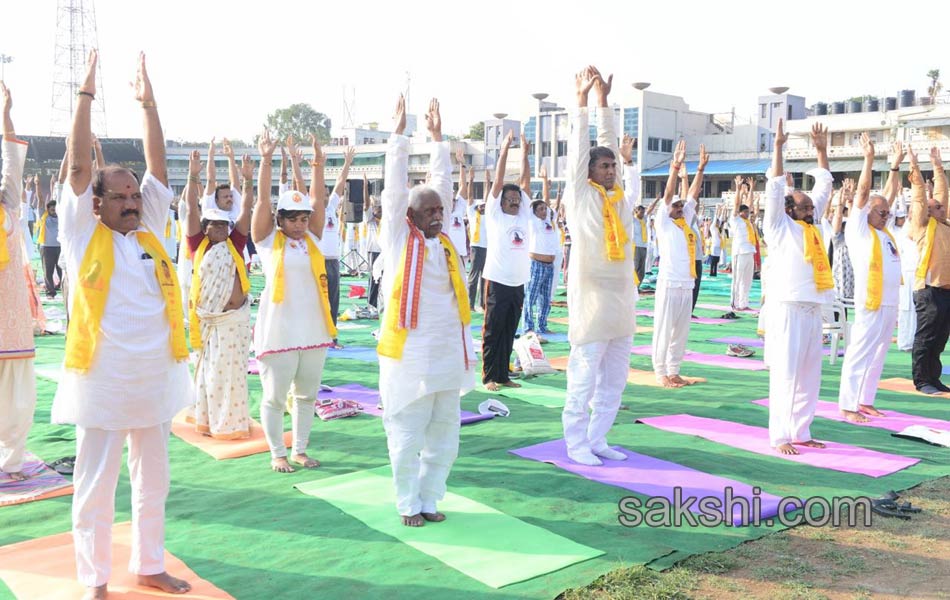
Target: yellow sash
x=317, y=266
x=816, y=256
x=750, y=232
x=876, y=272
x=477, y=236
x=402, y=310
x=92, y=292
x=690, y=236
x=4, y=251
x=924, y=265
x=168, y=227
x=195, y=292
x=615, y=235
x=41, y=234
x=643, y=230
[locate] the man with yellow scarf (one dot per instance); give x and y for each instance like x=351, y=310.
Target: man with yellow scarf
x=877, y=280
x=426, y=357
x=602, y=295
x=799, y=283
x=931, y=231
x=744, y=239
x=126, y=374
x=678, y=274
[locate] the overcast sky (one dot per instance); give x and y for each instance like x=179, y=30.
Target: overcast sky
x=219, y=67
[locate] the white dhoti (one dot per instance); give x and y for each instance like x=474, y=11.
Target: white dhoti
x=184, y=268
x=17, y=401
x=907, y=314
x=793, y=344
x=423, y=440
x=221, y=374
x=303, y=369
x=596, y=377
x=864, y=357
x=742, y=280
x=98, y=460
x=671, y=314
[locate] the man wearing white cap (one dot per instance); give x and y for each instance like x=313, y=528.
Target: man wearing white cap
x=877, y=277
x=219, y=306
x=426, y=357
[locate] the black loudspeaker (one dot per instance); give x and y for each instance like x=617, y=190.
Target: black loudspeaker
x=353, y=210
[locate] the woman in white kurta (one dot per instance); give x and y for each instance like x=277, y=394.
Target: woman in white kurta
x=293, y=329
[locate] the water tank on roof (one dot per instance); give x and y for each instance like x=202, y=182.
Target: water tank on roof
x=907, y=98
x=890, y=103
x=837, y=108
x=873, y=105
x=821, y=109
x=855, y=106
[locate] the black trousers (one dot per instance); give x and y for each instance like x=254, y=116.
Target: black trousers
x=503, y=307
x=640, y=262
x=333, y=285
x=699, y=280
x=373, y=284
x=50, y=255
x=933, y=327
x=476, y=285
x=714, y=266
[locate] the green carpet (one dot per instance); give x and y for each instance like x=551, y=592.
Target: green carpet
x=251, y=533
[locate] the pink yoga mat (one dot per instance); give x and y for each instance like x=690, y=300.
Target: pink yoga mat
x=713, y=360
x=657, y=478
x=369, y=400
x=894, y=421
x=700, y=320
x=838, y=457
x=760, y=343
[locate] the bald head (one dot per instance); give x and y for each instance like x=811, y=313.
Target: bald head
x=799, y=206
x=937, y=210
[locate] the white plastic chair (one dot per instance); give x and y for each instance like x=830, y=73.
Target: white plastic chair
x=836, y=325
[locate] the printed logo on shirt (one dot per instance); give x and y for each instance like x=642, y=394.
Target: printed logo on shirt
x=891, y=248
x=456, y=223
x=516, y=236
x=330, y=224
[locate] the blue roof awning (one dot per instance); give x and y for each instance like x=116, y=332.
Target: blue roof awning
x=716, y=167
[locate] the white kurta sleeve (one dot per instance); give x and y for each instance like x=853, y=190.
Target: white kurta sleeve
x=631, y=185
x=156, y=198
x=774, y=208
x=578, y=156
x=821, y=192
x=440, y=165
x=395, y=195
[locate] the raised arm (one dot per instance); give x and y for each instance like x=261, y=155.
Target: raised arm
x=192, y=216
x=318, y=188
x=775, y=185
x=919, y=213
x=395, y=194
x=738, y=199
x=578, y=140
x=679, y=155
x=863, y=192
x=262, y=221
x=154, y=137
x=14, y=159
x=340, y=188
x=631, y=174
x=283, y=166
x=819, y=137
x=470, y=187
x=500, y=166
x=778, y=166
x=80, y=137
x=211, y=176
x=233, y=174
x=940, y=177
x=243, y=223
x=697, y=186
x=100, y=157
x=299, y=184
x=894, y=179
x=545, y=185
x=525, y=181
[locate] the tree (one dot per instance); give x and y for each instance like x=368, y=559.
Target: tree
x=477, y=131
x=935, y=85
x=299, y=120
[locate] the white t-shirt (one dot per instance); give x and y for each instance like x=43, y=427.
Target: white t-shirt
x=330, y=243
x=741, y=244
x=543, y=236
x=370, y=233
x=454, y=226
x=507, y=260
x=477, y=228
x=675, y=269
x=859, y=237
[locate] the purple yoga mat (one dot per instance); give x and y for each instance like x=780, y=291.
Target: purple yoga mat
x=369, y=400
x=760, y=343
x=712, y=360
x=700, y=320
x=894, y=421
x=655, y=477
x=838, y=457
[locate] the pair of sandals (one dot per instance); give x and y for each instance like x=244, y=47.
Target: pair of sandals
x=63, y=466
x=738, y=350
x=887, y=506
x=729, y=315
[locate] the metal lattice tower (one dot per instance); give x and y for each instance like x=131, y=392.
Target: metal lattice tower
x=75, y=36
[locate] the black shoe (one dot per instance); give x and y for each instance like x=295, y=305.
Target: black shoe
x=940, y=386
x=928, y=389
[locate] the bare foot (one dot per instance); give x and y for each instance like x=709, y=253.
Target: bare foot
x=811, y=444
x=678, y=380
x=165, y=582
x=305, y=461
x=511, y=384
x=435, y=517
x=96, y=593
x=786, y=448
x=413, y=520
x=491, y=386
x=18, y=476
x=281, y=465
x=870, y=410
x=854, y=416
x=668, y=383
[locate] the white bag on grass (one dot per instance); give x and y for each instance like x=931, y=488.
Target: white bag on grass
x=531, y=356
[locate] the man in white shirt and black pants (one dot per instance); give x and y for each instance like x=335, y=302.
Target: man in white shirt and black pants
x=507, y=268
x=330, y=242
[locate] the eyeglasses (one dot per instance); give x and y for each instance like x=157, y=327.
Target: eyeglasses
x=883, y=213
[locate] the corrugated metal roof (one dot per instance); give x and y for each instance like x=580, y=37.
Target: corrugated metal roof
x=842, y=165
x=715, y=167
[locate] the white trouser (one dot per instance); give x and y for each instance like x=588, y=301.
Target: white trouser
x=864, y=357
x=98, y=460
x=671, y=314
x=596, y=377
x=303, y=369
x=907, y=314
x=744, y=265
x=17, y=400
x=423, y=440
x=558, y=261
x=793, y=343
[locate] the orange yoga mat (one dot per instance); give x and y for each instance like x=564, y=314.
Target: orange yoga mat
x=564, y=321
x=899, y=384
x=45, y=569
x=222, y=449
x=635, y=376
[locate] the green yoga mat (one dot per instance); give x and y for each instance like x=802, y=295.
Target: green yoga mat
x=485, y=544
x=536, y=393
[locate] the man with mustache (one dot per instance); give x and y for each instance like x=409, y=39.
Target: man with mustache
x=426, y=357
x=126, y=373
x=799, y=283
x=507, y=267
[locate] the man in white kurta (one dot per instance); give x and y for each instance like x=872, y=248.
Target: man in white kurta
x=420, y=390
x=743, y=258
x=906, y=313
x=602, y=295
x=793, y=330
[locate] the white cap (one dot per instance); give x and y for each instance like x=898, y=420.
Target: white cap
x=900, y=213
x=215, y=214
x=493, y=407
x=292, y=200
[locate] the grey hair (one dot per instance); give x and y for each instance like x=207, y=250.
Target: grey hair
x=874, y=197
x=420, y=191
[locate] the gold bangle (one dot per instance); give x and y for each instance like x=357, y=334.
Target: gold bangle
x=148, y=104
x=194, y=179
